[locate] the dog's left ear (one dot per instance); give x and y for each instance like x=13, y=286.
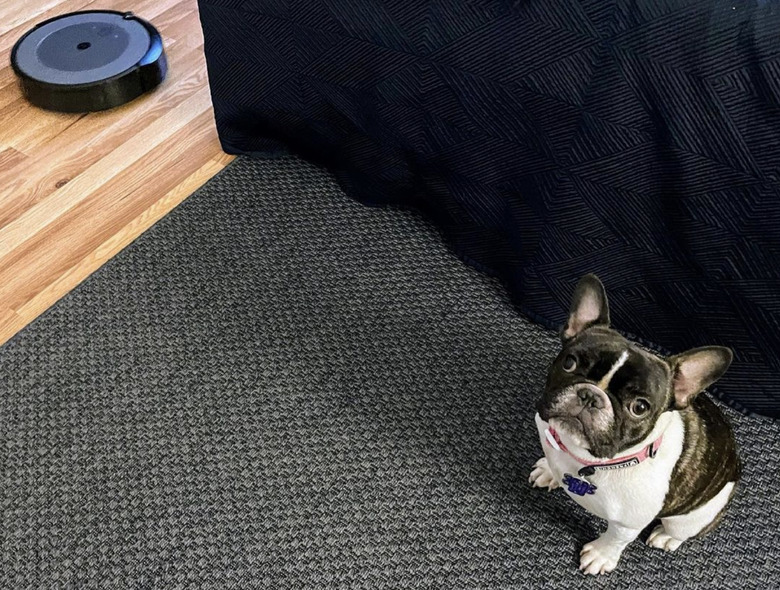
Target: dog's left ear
x=697, y=369
x=589, y=307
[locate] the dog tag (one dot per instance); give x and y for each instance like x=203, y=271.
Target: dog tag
x=578, y=486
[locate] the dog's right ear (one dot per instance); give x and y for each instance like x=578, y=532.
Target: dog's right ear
x=589, y=307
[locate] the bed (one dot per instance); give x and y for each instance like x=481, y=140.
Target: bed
x=639, y=140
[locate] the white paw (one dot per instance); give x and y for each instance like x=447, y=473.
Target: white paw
x=598, y=557
x=542, y=476
x=662, y=540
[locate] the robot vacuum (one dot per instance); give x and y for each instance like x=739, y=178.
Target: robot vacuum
x=89, y=61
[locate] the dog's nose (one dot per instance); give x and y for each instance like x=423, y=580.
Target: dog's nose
x=589, y=398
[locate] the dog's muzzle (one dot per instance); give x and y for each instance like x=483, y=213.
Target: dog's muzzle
x=573, y=400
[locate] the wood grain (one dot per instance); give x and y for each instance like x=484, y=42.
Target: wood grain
x=76, y=189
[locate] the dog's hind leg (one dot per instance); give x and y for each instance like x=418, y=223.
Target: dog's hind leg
x=673, y=530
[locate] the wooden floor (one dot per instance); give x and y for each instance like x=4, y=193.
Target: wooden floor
x=76, y=189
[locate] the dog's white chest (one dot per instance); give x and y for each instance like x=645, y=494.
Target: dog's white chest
x=631, y=496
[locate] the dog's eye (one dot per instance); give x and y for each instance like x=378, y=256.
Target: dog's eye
x=639, y=407
x=569, y=364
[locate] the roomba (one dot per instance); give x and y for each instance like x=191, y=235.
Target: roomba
x=88, y=61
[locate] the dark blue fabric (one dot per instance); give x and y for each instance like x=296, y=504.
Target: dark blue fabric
x=639, y=140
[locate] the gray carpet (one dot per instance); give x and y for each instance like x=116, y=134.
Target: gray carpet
x=276, y=387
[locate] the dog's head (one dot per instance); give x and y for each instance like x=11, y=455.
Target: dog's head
x=606, y=393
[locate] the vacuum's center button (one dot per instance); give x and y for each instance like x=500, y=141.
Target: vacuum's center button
x=66, y=49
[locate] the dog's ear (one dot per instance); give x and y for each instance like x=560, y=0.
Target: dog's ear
x=589, y=307
x=695, y=370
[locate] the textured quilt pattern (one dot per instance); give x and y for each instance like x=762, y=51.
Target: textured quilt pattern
x=636, y=139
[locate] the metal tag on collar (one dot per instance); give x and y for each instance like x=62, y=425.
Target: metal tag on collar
x=652, y=450
x=577, y=486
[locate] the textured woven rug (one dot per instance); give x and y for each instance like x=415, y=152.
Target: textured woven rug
x=276, y=387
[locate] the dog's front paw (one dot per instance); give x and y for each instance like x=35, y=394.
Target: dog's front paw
x=542, y=476
x=662, y=540
x=598, y=557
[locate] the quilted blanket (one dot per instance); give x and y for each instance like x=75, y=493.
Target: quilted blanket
x=637, y=139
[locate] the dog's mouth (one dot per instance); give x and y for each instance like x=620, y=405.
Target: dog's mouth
x=571, y=426
x=581, y=411
x=578, y=433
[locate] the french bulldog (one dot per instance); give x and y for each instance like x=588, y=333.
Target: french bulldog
x=630, y=436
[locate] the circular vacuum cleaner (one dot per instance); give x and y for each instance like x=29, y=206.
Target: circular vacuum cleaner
x=89, y=61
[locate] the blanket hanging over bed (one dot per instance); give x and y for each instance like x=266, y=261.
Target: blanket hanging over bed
x=638, y=139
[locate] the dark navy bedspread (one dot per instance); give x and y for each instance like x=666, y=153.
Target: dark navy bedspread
x=639, y=140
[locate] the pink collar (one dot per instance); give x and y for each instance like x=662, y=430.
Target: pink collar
x=647, y=452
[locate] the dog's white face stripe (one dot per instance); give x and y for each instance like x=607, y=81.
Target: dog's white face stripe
x=604, y=383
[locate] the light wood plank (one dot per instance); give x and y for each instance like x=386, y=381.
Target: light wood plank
x=119, y=239
x=11, y=322
x=98, y=216
x=76, y=189
x=10, y=158
x=66, y=197
x=32, y=127
x=13, y=13
x=8, y=94
x=99, y=132
x=10, y=36
x=96, y=134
